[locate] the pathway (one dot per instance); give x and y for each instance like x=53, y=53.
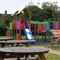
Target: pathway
x=50, y=50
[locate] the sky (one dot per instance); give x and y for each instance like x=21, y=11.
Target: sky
x=13, y=5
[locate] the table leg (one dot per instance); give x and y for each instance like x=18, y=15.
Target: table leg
x=26, y=57
x=26, y=44
x=17, y=44
x=32, y=55
x=1, y=57
x=18, y=57
x=12, y=45
x=2, y=45
x=41, y=56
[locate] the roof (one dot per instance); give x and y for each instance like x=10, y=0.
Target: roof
x=25, y=10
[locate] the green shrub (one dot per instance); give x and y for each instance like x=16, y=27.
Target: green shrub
x=3, y=28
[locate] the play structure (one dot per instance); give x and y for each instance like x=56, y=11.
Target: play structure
x=36, y=27
x=42, y=28
x=31, y=27
x=39, y=28
x=21, y=24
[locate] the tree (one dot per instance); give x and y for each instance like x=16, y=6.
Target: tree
x=7, y=20
x=34, y=12
x=3, y=28
x=52, y=9
x=37, y=14
x=52, y=5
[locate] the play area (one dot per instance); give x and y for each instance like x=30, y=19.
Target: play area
x=32, y=30
x=29, y=30
x=23, y=32
x=20, y=24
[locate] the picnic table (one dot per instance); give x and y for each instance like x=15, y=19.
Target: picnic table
x=12, y=42
x=6, y=38
x=23, y=51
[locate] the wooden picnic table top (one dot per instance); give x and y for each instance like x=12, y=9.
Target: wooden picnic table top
x=16, y=41
x=23, y=50
x=12, y=42
x=6, y=38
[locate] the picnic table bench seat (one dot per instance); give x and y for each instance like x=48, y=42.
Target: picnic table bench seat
x=22, y=58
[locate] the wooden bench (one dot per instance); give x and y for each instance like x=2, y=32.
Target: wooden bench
x=22, y=58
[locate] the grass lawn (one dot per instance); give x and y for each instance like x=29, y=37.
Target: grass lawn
x=55, y=47
x=4, y=36
x=50, y=56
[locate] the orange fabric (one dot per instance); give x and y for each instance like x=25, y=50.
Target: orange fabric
x=58, y=38
x=17, y=36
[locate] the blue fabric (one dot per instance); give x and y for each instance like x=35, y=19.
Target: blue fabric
x=51, y=32
x=46, y=26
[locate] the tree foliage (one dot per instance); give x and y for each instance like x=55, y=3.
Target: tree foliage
x=50, y=5
x=52, y=9
x=3, y=28
x=37, y=14
x=7, y=20
x=49, y=10
x=34, y=12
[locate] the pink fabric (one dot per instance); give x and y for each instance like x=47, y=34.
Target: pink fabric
x=56, y=26
x=17, y=24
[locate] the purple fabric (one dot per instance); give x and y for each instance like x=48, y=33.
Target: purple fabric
x=17, y=24
x=56, y=25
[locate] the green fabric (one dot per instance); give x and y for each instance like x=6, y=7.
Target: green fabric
x=35, y=22
x=10, y=25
